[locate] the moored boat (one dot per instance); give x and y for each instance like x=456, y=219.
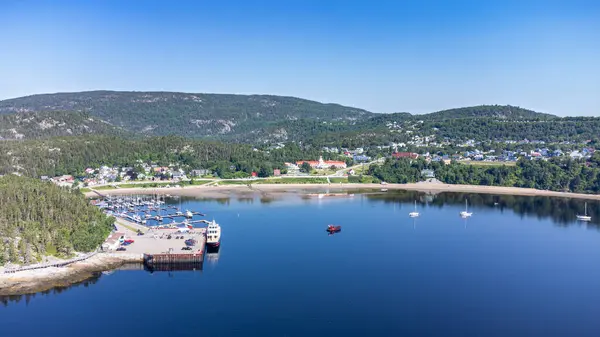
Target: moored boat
x=333, y=229
x=466, y=213
x=584, y=217
x=213, y=235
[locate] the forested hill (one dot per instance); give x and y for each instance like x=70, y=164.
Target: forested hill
x=192, y=115
x=489, y=112
x=260, y=119
x=38, y=218
x=30, y=125
x=494, y=111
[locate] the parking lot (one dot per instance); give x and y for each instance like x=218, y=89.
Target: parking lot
x=160, y=241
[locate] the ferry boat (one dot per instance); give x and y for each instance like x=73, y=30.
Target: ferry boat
x=213, y=235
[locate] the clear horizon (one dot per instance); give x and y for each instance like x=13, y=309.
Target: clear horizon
x=416, y=56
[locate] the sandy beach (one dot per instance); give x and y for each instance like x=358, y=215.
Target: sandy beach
x=227, y=190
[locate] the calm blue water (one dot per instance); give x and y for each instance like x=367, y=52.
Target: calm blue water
x=523, y=267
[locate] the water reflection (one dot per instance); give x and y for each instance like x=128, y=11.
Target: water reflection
x=563, y=211
x=5, y=300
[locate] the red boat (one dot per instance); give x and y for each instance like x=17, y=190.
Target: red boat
x=333, y=229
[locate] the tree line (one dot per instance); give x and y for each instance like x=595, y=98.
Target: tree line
x=39, y=218
x=564, y=175
x=72, y=155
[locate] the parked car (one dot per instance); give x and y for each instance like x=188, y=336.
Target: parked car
x=186, y=248
x=120, y=249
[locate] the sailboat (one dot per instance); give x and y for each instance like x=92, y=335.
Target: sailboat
x=466, y=213
x=584, y=217
x=415, y=213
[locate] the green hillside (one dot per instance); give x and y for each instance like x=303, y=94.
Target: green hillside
x=38, y=218
x=190, y=115
x=52, y=124
x=507, y=112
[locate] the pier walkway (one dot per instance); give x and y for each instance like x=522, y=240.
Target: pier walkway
x=49, y=264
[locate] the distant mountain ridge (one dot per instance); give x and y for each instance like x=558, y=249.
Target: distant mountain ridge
x=240, y=118
x=193, y=115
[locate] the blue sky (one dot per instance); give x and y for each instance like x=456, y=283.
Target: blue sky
x=383, y=56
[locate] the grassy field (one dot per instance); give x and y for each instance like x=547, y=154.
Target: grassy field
x=234, y=182
x=489, y=163
x=338, y=180
x=362, y=169
x=292, y=181
x=106, y=187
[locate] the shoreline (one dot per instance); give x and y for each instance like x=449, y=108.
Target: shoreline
x=226, y=190
x=38, y=280
x=33, y=281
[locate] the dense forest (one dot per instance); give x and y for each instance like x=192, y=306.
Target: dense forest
x=555, y=175
x=72, y=155
x=38, y=218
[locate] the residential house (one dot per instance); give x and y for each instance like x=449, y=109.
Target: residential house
x=427, y=173
x=576, y=155
x=65, y=180
x=399, y=155
x=360, y=158
x=200, y=172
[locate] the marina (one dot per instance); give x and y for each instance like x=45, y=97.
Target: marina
x=163, y=234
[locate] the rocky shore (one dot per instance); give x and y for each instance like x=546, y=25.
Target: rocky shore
x=32, y=281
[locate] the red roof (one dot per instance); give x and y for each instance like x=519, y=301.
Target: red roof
x=405, y=155
x=310, y=162
x=335, y=162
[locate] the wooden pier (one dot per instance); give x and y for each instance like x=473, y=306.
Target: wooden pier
x=174, y=267
x=155, y=259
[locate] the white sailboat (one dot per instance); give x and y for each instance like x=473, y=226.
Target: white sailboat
x=415, y=213
x=466, y=213
x=584, y=217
